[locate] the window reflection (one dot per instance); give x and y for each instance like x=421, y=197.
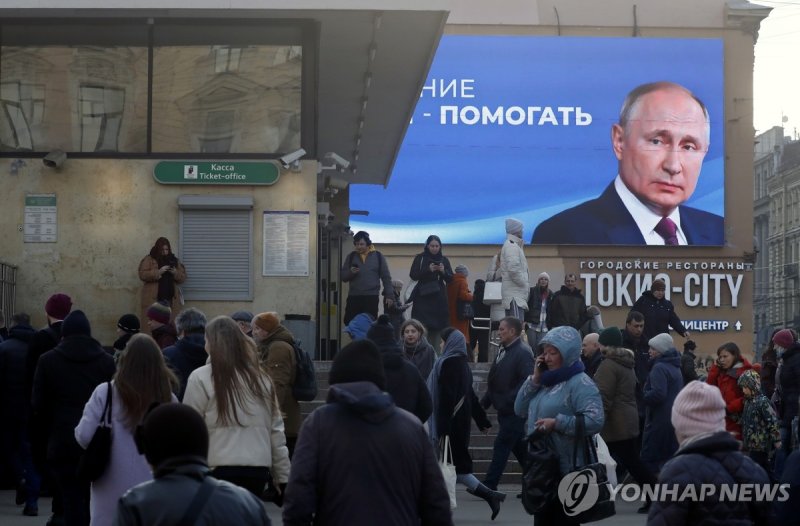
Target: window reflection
x=223, y=99
x=96, y=98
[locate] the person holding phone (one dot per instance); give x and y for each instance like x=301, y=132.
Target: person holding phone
x=161, y=272
x=432, y=270
x=365, y=269
x=551, y=396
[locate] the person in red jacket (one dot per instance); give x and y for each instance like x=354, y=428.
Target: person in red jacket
x=725, y=374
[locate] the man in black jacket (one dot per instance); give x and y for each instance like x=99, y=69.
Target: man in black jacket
x=568, y=306
x=174, y=440
x=15, y=411
x=56, y=309
x=64, y=381
x=512, y=366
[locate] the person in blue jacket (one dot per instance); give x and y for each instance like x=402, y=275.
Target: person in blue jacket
x=662, y=386
x=550, y=397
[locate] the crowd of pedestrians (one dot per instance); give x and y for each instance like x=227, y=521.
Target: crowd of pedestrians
x=206, y=426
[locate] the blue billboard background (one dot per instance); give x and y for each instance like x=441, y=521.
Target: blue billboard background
x=461, y=181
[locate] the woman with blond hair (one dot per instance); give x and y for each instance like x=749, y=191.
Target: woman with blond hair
x=142, y=379
x=237, y=401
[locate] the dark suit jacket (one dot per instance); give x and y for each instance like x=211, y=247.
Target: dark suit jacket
x=606, y=221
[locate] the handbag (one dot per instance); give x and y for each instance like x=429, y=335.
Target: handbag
x=595, y=473
x=448, y=470
x=541, y=475
x=95, y=458
x=464, y=310
x=408, y=294
x=492, y=293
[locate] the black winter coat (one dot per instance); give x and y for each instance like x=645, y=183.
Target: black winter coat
x=41, y=342
x=163, y=501
x=405, y=384
x=431, y=310
x=687, y=367
x=662, y=386
x=15, y=401
x=710, y=459
x=509, y=370
x=789, y=382
x=659, y=315
x=64, y=381
x=568, y=307
x=185, y=356
x=361, y=460
x=453, y=385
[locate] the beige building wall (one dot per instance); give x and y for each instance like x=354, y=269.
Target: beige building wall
x=110, y=212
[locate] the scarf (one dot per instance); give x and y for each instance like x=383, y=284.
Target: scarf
x=456, y=345
x=562, y=374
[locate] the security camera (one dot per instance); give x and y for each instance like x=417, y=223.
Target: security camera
x=292, y=160
x=338, y=162
x=54, y=159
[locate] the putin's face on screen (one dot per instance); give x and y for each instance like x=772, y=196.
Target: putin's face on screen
x=661, y=148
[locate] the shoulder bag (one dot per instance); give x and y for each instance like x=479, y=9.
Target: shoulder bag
x=595, y=472
x=448, y=468
x=94, y=460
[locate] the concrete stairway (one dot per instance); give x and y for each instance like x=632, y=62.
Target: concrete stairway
x=480, y=444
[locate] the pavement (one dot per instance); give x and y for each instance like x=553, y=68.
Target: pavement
x=470, y=511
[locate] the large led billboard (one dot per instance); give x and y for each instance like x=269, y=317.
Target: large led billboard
x=528, y=127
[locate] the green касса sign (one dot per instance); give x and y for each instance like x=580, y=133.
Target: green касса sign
x=222, y=172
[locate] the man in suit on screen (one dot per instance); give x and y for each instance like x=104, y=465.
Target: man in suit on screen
x=660, y=142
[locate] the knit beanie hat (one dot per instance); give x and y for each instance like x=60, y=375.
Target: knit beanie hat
x=783, y=338
x=698, y=408
x=129, y=323
x=750, y=379
x=76, y=324
x=543, y=275
x=514, y=226
x=242, y=315
x=58, y=306
x=462, y=269
x=658, y=284
x=359, y=361
x=267, y=321
x=611, y=337
x=172, y=430
x=159, y=312
x=661, y=342
x=382, y=333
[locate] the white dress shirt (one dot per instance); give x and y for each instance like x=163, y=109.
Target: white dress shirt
x=646, y=220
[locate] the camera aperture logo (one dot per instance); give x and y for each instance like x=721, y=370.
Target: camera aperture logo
x=578, y=491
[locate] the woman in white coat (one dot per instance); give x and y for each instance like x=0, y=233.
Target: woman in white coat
x=514, y=272
x=237, y=401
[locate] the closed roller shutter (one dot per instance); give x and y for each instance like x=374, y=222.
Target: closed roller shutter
x=216, y=248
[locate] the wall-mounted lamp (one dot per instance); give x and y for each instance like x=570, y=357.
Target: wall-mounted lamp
x=16, y=164
x=54, y=159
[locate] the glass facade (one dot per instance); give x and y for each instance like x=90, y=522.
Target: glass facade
x=170, y=88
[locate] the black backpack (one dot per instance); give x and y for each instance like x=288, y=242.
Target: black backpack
x=304, y=388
